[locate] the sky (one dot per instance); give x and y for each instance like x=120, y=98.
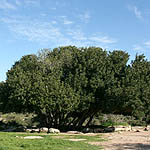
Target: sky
x=27, y=26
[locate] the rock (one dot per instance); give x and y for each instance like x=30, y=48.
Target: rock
x=44, y=129
x=145, y=129
x=139, y=128
x=128, y=128
x=28, y=130
x=109, y=129
x=148, y=127
x=122, y=128
x=119, y=132
x=74, y=132
x=87, y=130
x=33, y=137
x=98, y=130
x=32, y=130
x=36, y=130
x=53, y=130
x=90, y=133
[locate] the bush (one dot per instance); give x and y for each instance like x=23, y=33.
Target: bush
x=111, y=120
x=18, y=119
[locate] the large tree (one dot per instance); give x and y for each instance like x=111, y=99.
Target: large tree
x=137, y=90
x=68, y=85
x=35, y=85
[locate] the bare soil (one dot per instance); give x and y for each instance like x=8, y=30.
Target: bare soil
x=125, y=141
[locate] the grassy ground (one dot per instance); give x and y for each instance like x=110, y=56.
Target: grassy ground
x=15, y=141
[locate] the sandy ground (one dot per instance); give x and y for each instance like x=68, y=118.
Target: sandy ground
x=126, y=141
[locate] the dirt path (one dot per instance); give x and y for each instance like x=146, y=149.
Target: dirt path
x=126, y=141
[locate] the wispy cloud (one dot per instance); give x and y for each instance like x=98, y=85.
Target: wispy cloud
x=34, y=30
x=53, y=8
x=54, y=22
x=137, y=48
x=5, y=5
x=103, y=39
x=61, y=3
x=136, y=11
x=147, y=44
x=27, y=3
x=15, y=4
x=85, y=16
x=77, y=35
x=32, y=2
x=18, y=2
x=53, y=32
x=142, y=47
x=65, y=20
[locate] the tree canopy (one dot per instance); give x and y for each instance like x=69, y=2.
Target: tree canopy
x=68, y=85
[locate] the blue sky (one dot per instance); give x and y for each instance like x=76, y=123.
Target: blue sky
x=26, y=26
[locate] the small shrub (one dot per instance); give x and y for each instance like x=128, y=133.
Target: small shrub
x=111, y=120
x=18, y=119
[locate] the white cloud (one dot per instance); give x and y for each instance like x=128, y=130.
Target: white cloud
x=103, y=39
x=54, y=22
x=136, y=11
x=18, y=3
x=85, y=16
x=13, y=5
x=147, y=44
x=141, y=47
x=53, y=32
x=137, y=47
x=43, y=14
x=39, y=33
x=76, y=34
x=95, y=39
x=34, y=30
x=61, y=3
x=5, y=5
x=32, y=2
x=53, y=8
x=27, y=3
x=65, y=20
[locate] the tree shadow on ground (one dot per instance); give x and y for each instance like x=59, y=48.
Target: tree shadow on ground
x=132, y=146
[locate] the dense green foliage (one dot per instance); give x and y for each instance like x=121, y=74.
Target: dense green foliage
x=68, y=86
